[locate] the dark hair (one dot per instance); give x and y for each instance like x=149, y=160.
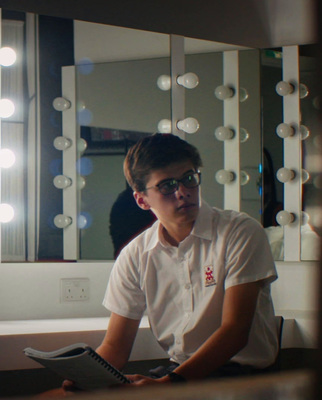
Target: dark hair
x=156, y=152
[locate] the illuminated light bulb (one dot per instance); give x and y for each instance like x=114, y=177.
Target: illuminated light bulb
x=188, y=125
x=81, y=182
x=61, y=143
x=61, y=104
x=81, y=145
x=244, y=178
x=164, y=126
x=243, y=135
x=305, y=218
x=284, y=218
x=304, y=91
x=62, y=182
x=224, y=92
x=81, y=221
x=284, y=130
x=284, y=88
x=189, y=80
x=7, y=158
x=223, y=176
x=7, y=56
x=304, y=132
x=223, y=133
x=62, y=221
x=6, y=213
x=305, y=176
x=164, y=82
x=7, y=108
x=243, y=94
x=285, y=175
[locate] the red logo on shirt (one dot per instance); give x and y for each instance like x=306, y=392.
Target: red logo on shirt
x=209, y=275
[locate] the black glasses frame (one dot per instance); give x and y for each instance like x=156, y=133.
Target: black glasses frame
x=175, y=182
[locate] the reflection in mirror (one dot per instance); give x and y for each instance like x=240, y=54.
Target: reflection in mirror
x=276, y=177
x=119, y=99
x=12, y=143
x=311, y=150
x=250, y=133
x=118, y=102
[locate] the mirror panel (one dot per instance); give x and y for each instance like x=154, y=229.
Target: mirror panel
x=250, y=134
x=117, y=70
x=118, y=102
x=311, y=150
x=201, y=103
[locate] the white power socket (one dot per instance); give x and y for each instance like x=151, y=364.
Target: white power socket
x=74, y=289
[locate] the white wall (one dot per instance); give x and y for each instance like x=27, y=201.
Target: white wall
x=32, y=290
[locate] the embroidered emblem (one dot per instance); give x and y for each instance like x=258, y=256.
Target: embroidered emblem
x=209, y=275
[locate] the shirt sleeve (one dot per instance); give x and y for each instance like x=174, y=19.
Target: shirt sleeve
x=248, y=253
x=124, y=295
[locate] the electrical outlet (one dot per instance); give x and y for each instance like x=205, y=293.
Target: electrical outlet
x=74, y=289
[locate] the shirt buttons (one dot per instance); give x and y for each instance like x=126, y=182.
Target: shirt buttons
x=187, y=286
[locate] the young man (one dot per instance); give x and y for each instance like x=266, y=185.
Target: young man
x=202, y=274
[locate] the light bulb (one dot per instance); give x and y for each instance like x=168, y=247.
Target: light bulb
x=61, y=104
x=305, y=218
x=62, y=182
x=62, y=143
x=223, y=133
x=304, y=132
x=284, y=88
x=164, y=126
x=7, y=108
x=62, y=221
x=188, y=80
x=7, y=56
x=223, y=176
x=7, y=158
x=284, y=130
x=6, y=213
x=81, y=182
x=285, y=175
x=243, y=135
x=81, y=221
x=164, y=82
x=81, y=145
x=305, y=176
x=304, y=91
x=284, y=218
x=243, y=94
x=188, y=125
x=244, y=178
x=224, y=92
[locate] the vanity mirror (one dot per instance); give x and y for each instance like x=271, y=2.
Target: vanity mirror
x=122, y=79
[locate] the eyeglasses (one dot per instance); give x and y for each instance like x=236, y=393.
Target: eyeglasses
x=170, y=186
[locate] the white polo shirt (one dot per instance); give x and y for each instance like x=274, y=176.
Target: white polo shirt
x=182, y=288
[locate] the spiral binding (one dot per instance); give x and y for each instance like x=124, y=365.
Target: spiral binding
x=107, y=365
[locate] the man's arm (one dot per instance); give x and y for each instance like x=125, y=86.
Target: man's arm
x=232, y=336
x=238, y=312
x=118, y=341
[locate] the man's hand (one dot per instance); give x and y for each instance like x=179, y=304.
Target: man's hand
x=141, y=380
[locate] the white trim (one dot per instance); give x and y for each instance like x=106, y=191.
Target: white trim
x=177, y=92
x=70, y=194
x=292, y=155
x=231, y=120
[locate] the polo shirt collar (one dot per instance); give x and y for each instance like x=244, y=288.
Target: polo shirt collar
x=203, y=227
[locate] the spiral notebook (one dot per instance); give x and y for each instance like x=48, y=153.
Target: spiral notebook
x=80, y=364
